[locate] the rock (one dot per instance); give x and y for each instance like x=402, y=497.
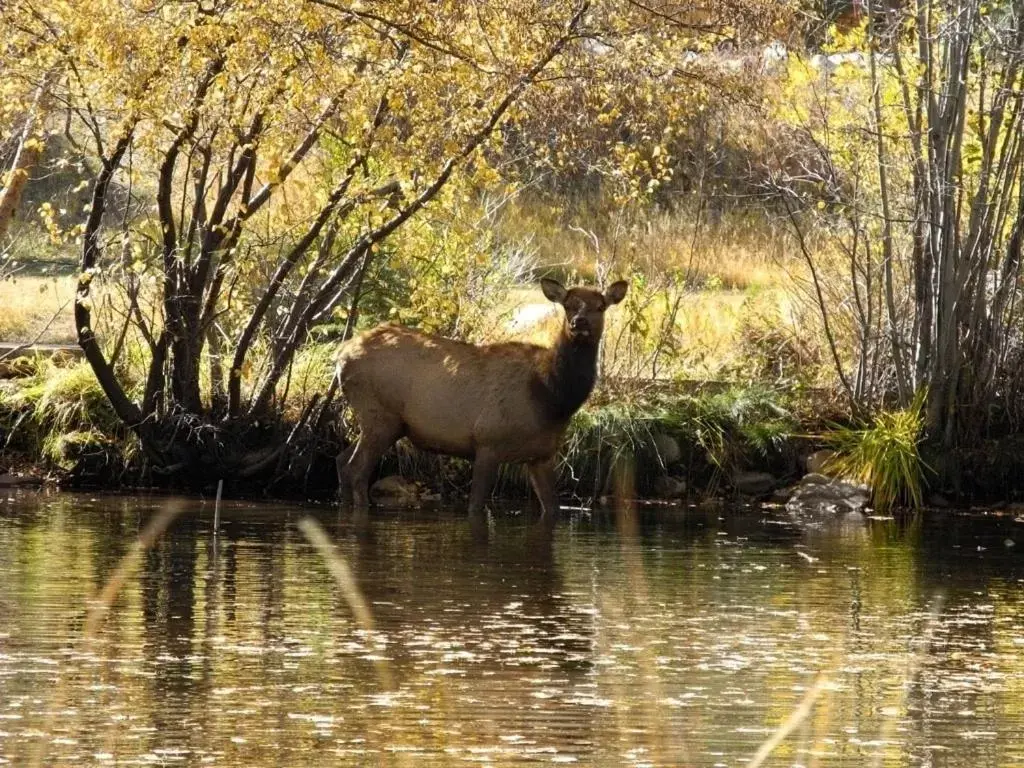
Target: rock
x=669, y=487
x=9, y=480
x=667, y=448
x=818, y=461
x=818, y=493
x=753, y=483
x=938, y=500
x=712, y=503
x=395, y=489
x=19, y=367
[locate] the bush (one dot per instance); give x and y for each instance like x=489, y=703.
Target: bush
x=884, y=455
x=717, y=432
x=61, y=415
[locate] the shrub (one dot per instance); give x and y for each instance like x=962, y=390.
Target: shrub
x=61, y=414
x=718, y=432
x=885, y=455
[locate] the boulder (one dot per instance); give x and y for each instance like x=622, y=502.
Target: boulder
x=753, y=483
x=395, y=489
x=11, y=480
x=818, y=493
x=669, y=487
x=667, y=448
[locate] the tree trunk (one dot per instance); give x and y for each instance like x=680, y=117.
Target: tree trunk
x=26, y=155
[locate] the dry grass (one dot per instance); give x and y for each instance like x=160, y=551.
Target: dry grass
x=716, y=296
x=29, y=303
x=733, y=285
x=734, y=250
x=711, y=338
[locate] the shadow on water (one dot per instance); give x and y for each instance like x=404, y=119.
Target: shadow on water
x=653, y=636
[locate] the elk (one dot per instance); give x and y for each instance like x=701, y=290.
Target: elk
x=491, y=403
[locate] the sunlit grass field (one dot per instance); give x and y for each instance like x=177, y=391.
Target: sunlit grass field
x=716, y=300
x=37, y=308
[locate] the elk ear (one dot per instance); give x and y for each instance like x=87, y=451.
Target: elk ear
x=616, y=292
x=553, y=290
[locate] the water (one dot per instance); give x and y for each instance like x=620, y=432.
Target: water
x=668, y=638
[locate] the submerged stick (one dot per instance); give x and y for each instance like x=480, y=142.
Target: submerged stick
x=216, y=506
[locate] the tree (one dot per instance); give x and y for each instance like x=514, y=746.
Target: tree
x=249, y=158
x=915, y=151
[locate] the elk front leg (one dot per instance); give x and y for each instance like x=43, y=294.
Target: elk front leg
x=542, y=478
x=485, y=472
x=376, y=437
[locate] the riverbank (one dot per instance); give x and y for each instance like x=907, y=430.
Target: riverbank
x=673, y=442
x=665, y=440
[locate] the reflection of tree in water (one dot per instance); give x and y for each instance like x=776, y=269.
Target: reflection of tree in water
x=971, y=680
x=574, y=639
x=195, y=614
x=927, y=655
x=482, y=642
x=168, y=592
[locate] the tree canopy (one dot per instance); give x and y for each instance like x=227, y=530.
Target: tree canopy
x=245, y=160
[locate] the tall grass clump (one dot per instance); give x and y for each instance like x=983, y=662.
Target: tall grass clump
x=735, y=427
x=313, y=366
x=606, y=437
x=717, y=433
x=884, y=455
x=61, y=414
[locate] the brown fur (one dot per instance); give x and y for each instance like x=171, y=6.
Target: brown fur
x=497, y=403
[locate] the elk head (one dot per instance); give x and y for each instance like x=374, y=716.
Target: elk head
x=584, y=308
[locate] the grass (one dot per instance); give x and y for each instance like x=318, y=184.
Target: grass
x=884, y=455
x=717, y=334
x=711, y=326
x=717, y=432
x=732, y=250
x=61, y=414
x=32, y=302
x=312, y=369
x=603, y=439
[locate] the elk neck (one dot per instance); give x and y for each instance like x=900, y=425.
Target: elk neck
x=569, y=378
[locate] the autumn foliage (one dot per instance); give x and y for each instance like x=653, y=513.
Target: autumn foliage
x=247, y=162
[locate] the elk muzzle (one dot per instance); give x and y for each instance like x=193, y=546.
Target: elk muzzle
x=579, y=326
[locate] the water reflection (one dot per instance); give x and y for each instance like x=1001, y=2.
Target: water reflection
x=666, y=637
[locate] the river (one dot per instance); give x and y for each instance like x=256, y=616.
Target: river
x=668, y=636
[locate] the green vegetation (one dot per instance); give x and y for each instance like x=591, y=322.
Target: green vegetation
x=885, y=455
x=60, y=413
x=716, y=434
x=765, y=202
